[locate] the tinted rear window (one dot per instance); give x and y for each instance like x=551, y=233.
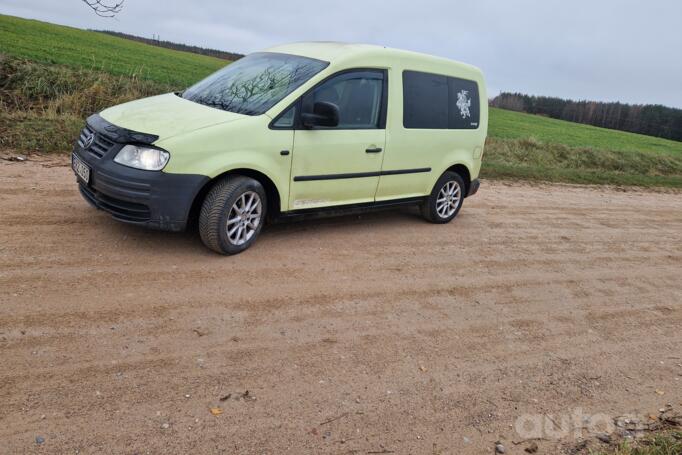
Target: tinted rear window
x=425, y=100
x=432, y=101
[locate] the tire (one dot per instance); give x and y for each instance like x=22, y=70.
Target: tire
x=434, y=210
x=221, y=207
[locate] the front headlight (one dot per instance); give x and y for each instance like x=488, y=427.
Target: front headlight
x=145, y=158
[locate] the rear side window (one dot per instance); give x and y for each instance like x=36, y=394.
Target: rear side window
x=425, y=100
x=432, y=101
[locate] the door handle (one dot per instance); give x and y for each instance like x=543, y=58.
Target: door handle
x=373, y=150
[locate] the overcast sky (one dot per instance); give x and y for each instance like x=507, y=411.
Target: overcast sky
x=610, y=50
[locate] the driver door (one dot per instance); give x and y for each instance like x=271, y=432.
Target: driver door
x=341, y=165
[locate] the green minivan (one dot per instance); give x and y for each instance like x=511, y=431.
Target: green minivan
x=295, y=129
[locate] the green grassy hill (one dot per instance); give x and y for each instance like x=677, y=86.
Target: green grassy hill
x=52, y=77
x=517, y=125
x=48, y=43
x=531, y=147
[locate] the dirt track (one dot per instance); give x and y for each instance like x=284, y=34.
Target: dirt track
x=351, y=335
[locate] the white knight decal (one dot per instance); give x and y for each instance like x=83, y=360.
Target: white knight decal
x=464, y=103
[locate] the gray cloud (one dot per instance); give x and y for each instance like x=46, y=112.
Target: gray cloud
x=611, y=50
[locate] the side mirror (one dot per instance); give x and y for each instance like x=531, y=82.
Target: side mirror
x=324, y=114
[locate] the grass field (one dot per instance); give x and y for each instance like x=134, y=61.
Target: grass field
x=665, y=443
x=517, y=125
x=49, y=43
x=532, y=147
x=52, y=77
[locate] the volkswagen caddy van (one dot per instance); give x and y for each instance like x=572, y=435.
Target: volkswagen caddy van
x=291, y=130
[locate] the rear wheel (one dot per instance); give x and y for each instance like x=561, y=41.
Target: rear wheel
x=232, y=214
x=445, y=200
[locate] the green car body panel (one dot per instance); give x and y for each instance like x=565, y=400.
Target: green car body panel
x=210, y=142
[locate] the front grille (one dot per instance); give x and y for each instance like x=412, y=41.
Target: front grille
x=124, y=210
x=85, y=132
x=99, y=147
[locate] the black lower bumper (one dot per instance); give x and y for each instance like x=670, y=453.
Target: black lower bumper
x=156, y=200
x=473, y=187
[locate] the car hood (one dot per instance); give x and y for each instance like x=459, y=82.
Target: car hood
x=166, y=115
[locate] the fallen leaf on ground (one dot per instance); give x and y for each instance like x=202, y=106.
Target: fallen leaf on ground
x=532, y=448
x=216, y=411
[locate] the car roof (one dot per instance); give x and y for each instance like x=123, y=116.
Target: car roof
x=335, y=52
x=324, y=50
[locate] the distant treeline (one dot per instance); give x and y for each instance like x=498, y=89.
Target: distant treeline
x=176, y=46
x=652, y=120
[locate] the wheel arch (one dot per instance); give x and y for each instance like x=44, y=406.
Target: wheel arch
x=463, y=172
x=271, y=192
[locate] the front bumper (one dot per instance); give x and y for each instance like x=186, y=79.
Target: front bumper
x=152, y=199
x=473, y=187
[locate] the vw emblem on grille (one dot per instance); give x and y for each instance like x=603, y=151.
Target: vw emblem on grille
x=87, y=142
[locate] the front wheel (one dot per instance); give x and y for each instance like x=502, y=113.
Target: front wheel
x=445, y=200
x=232, y=214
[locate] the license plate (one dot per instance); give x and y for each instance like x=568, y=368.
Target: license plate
x=81, y=169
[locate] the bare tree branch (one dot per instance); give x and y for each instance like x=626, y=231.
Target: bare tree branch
x=105, y=8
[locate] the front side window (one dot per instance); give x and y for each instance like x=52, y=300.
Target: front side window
x=357, y=94
x=287, y=119
x=433, y=101
x=255, y=83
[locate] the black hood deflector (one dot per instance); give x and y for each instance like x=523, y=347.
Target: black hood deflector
x=119, y=134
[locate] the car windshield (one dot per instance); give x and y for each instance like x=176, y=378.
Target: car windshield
x=255, y=83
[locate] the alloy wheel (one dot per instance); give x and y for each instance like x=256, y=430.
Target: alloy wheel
x=244, y=218
x=448, y=200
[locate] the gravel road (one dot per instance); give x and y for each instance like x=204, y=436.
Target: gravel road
x=378, y=333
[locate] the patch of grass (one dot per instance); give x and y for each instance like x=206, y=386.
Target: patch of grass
x=55, y=44
x=516, y=125
x=532, y=147
x=660, y=444
x=530, y=159
x=42, y=107
x=52, y=77
x=26, y=85
x=43, y=132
